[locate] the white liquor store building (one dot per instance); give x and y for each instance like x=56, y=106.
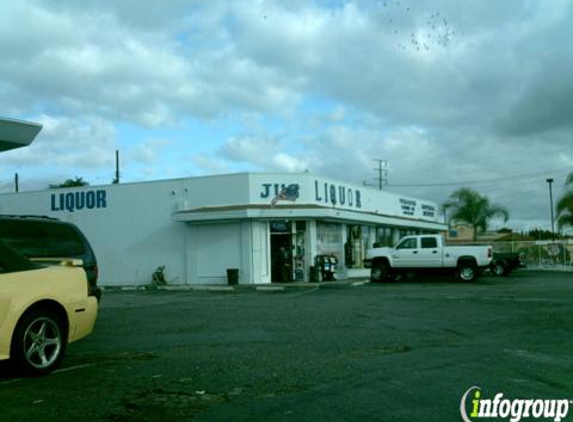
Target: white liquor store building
x=199, y=227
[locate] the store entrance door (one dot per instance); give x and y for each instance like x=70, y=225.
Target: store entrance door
x=281, y=251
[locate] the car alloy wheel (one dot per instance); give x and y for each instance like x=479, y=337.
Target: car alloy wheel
x=467, y=272
x=42, y=342
x=39, y=342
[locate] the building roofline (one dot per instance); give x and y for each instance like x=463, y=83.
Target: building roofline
x=211, y=176
x=237, y=212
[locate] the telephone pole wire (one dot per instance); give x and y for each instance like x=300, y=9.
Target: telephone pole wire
x=382, y=174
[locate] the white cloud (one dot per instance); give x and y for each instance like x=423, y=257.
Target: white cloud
x=288, y=163
x=511, y=174
x=148, y=152
x=480, y=91
x=210, y=164
x=253, y=149
x=208, y=60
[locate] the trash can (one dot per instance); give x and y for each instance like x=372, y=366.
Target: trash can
x=232, y=276
x=313, y=274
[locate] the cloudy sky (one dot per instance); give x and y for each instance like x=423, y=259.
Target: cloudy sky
x=450, y=93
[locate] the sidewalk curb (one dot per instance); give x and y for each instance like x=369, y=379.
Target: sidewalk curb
x=240, y=287
x=269, y=288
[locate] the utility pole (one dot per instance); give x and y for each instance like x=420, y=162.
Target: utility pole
x=382, y=171
x=550, y=181
x=16, y=183
x=116, y=180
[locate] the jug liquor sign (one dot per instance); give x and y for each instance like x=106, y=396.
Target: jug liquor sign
x=281, y=192
x=326, y=193
x=332, y=194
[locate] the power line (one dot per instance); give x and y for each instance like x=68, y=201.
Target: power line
x=476, y=182
x=382, y=171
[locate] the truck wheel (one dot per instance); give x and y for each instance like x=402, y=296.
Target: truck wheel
x=467, y=271
x=499, y=268
x=39, y=343
x=379, y=272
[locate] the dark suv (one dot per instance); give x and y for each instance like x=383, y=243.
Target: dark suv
x=45, y=238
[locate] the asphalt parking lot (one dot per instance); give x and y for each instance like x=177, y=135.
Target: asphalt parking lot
x=403, y=351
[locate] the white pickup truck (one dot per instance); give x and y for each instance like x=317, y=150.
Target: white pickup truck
x=428, y=254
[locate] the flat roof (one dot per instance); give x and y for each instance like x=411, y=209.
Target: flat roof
x=17, y=133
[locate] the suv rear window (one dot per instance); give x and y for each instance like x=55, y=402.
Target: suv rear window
x=12, y=261
x=42, y=239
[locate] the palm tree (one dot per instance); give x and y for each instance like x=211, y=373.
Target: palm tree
x=70, y=183
x=565, y=205
x=469, y=207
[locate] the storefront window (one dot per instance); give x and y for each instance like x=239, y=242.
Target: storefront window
x=329, y=239
x=384, y=237
x=404, y=233
x=358, y=241
x=300, y=251
x=368, y=237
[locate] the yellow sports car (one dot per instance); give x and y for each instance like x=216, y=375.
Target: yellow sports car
x=42, y=309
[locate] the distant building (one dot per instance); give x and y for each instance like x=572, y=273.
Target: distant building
x=463, y=233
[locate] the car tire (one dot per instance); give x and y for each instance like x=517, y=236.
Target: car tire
x=379, y=272
x=467, y=271
x=499, y=268
x=39, y=342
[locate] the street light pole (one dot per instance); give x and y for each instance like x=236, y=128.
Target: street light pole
x=550, y=181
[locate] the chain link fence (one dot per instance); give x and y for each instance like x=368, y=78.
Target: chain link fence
x=541, y=254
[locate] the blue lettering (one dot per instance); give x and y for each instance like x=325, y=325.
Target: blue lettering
x=70, y=202
x=80, y=200
x=266, y=190
x=74, y=201
x=316, y=194
x=53, y=200
x=90, y=200
x=337, y=195
x=279, y=188
x=342, y=195
x=101, y=199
